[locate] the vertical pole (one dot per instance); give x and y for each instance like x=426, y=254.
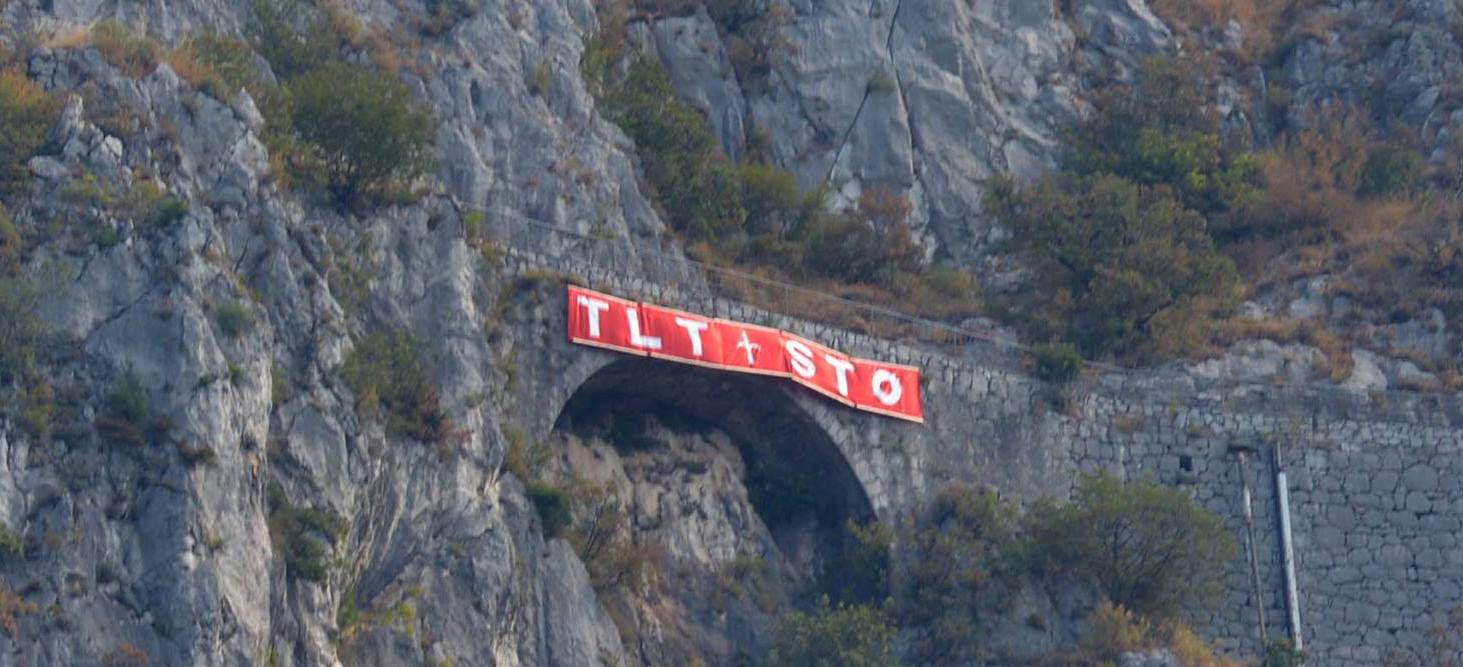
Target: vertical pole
x=1250, y=547
x=1292, y=598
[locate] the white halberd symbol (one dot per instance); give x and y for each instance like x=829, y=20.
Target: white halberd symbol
x=750, y=347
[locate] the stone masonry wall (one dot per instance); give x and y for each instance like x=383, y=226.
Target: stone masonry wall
x=1376, y=506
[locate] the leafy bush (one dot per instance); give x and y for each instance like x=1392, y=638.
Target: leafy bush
x=168, y=211
x=859, y=573
x=956, y=556
x=11, y=546
x=13, y=605
x=874, y=245
x=697, y=185
x=128, y=400
x=553, y=507
x=1112, y=631
x=233, y=318
x=125, y=417
x=38, y=409
x=387, y=373
x=1281, y=653
x=20, y=331
x=842, y=636
x=1389, y=170
x=1193, y=650
x=26, y=115
x=218, y=64
x=11, y=244
x=298, y=533
x=753, y=214
x=1059, y=362
x=134, y=54
x=1112, y=258
x=1269, y=25
x=362, y=128
x=754, y=36
x=1161, y=130
x=443, y=14
x=771, y=197
x=1148, y=548
x=1120, y=239
x=293, y=36
x=599, y=534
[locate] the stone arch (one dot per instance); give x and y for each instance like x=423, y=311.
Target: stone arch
x=748, y=408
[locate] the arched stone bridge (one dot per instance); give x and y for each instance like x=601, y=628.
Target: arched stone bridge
x=1375, y=488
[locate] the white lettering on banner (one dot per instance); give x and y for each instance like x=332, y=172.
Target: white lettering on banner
x=632, y=316
x=752, y=348
x=887, y=387
x=663, y=333
x=801, y=357
x=842, y=367
x=693, y=329
x=594, y=306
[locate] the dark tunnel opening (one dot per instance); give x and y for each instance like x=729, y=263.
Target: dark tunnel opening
x=796, y=478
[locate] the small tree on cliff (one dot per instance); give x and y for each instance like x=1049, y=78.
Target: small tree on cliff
x=1147, y=547
x=362, y=128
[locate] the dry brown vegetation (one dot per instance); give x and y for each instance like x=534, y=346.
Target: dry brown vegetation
x=1269, y=25
x=1393, y=252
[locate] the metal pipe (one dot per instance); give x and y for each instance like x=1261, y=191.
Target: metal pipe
x=1250, y=547
x=1292, y=599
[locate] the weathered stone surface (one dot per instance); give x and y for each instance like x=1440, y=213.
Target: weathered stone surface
x=175, y=554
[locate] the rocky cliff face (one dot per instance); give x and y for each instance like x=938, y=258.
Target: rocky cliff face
x=927, y=99
x=178, y=542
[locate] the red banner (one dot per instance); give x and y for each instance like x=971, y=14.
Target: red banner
x=605, y=321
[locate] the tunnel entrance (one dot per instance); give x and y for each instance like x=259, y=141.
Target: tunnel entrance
x=738, y=497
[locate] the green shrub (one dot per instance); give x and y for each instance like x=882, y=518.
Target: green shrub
x=1162, y=130
x=128, y=400
x=859, y=573
x=387, y=373
x=1282, y=653
x=38, y=410
x=11, y=546
x=292, y=36
x=218, y=64
x=167, y=211
x=134, y=54
x=957, y=553
x=125, y=417
x=599, y=533
x=842, y=636
x=20, y=331
x=233, y=318
x=753, y=32
x=553, y=507
x=1112, y=258
x=26, y=115
x=1058, y=362
x=873, y=245
x=695, y=183
x=771, y=196
x=279, y=388
x=11, y=244
x=302, y=535
x=362, y=128
x=1389, y=170
x=1148, y=548
x=442, y=15
x=1123, y=238
x=1112, y=631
